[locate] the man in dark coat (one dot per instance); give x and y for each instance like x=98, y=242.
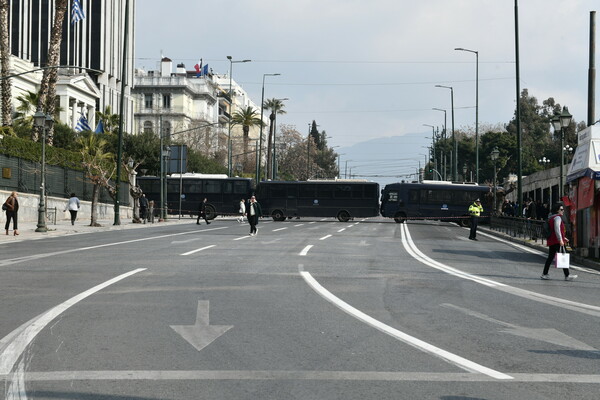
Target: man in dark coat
x=202, y=213
x=253, y=212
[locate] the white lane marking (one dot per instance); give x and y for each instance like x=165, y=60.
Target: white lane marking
x=412, y=249
x=542, y=298
x=242, y=237
x=197, y=250
x=298, y=224
x=44, y=255
x=13, y=350
x=395, y=333
x=305, y=250
x=342, y=230
x=300, y=376
x=279, y=229
x=323, y=219
x=325, y=237
x=313, y=222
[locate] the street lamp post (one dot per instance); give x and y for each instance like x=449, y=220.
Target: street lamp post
x=494, y=156
x=442, y=161
x=455, y=166
x=476, y=110
x=568, y=151
x=544, y=161
x=262, y=103
x=43, y=122
x=231, y=62
x=433, y=147
x=560, y=122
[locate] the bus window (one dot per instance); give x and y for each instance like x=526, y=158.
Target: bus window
x=357, y=191
x=240, y=187
x=343, y=192
x=370, y=191
x=306, y=191
x=324, y=191
x=173, y=186
x=227, y=187
x=212, y=186
x=278, y=191
x=413, y=196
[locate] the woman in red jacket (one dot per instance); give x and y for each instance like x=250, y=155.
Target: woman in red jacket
x=556, y=240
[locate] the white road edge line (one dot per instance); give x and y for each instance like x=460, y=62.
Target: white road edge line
x=15, y=348
x=197, y=250
x=325, y=237
x=395, y=333
x=242, y=237
x=278, y=229
x=305, y=250
x=342, y=230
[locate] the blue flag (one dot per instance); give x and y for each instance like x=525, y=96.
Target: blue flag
x=77, y=13
x=205, y=70
x=99, y=127
x=82, y=125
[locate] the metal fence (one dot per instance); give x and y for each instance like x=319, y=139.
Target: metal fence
x=25, y=176
x=528, y=229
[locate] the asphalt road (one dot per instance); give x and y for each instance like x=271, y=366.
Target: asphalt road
x=307, y=309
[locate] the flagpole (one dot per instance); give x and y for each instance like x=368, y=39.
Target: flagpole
x=117, y=220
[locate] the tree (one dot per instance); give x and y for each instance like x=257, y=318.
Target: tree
x=110, y=121
x=99, y=166
x=276, y=107
x=5, y=84
x=47, y=98
x=247, y=118
x=316, y=136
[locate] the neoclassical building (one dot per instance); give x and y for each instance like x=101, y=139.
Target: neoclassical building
x=193, y=108
x=91, y=51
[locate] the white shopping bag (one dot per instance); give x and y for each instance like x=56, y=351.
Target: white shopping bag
x=561, y=259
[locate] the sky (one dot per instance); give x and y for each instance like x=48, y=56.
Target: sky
x=366, y=70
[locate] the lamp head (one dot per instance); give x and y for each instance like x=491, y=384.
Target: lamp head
x=229, y=58
x=555, y=121
x=49, y=121
x=39, y=119
x=565, y=117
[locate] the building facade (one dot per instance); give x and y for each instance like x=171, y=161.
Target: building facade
x=193, y=109
x=91, y=52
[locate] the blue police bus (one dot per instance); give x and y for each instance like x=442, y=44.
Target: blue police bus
x=434, y=200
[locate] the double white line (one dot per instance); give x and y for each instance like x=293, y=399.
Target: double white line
x=412, y=249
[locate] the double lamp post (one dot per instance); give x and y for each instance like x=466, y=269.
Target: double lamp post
x=560, y=122
x=43, y=122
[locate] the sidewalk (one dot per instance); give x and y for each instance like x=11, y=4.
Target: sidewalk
x=64, y=228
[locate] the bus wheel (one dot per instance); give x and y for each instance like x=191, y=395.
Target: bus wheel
x=210, y=212
x=464, y=222
x=400, y=217
x=343, y=216
x=278, y=215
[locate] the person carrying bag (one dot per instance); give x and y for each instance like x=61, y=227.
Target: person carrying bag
x=555, y=242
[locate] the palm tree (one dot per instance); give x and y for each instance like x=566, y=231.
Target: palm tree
x=276, y=107
x=27, y=104
x=99, y=165
x=47, y=99
x=247, y=118
x=110, y=121
x=5, y=85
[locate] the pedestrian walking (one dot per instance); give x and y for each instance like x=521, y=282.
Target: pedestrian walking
x=151, y=211
x=11, y=205
x=143, y=208
x=253, y=213
x=556, y=240
x=475, y=211
x=202, y=212
x=242, y=210
x=73, y=206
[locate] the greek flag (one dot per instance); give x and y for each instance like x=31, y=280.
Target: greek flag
x=77, y=13
x=82, y=125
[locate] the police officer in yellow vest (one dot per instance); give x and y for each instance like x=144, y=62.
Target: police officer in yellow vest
x=475, y=211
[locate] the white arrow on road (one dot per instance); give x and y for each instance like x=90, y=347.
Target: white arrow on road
x=201, y=334
x=548, y=335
